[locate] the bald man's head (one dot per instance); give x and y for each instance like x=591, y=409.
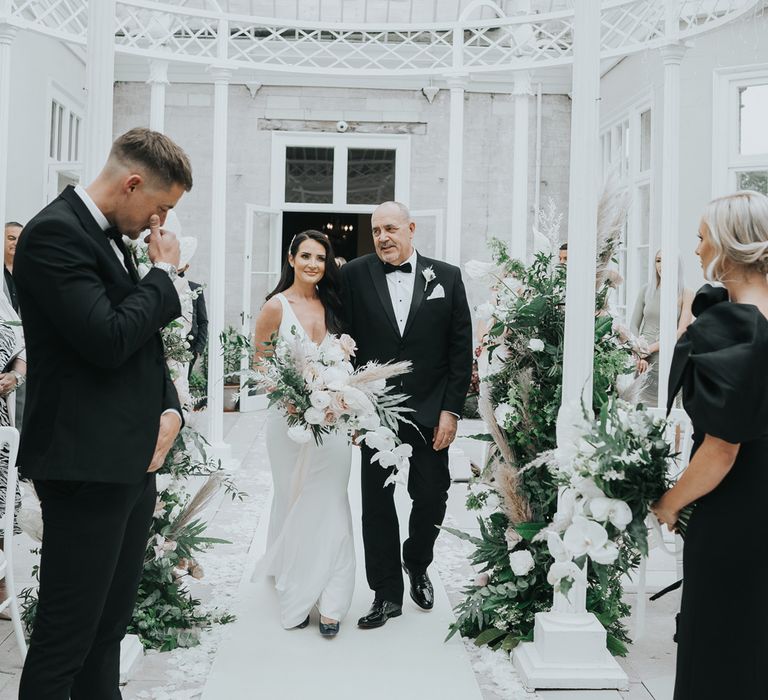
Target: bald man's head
x=392, y=229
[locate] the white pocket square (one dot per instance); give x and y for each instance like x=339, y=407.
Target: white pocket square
x=437, y=293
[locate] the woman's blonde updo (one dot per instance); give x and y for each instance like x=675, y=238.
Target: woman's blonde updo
x=738, y=227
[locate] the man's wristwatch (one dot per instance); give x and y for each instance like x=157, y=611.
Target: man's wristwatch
x=168, y=268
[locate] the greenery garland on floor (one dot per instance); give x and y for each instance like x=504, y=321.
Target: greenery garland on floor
x=520, y=400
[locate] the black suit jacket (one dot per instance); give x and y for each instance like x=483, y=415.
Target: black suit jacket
x=97, y=377
x=437, y=338
x=199, y=329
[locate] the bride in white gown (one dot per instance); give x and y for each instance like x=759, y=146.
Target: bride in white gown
x=310, y=547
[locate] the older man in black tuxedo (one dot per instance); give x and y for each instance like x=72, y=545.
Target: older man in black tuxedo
x=101, y=410
x=403, y=306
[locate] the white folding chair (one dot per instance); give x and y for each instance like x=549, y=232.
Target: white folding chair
x=672, y=544
x=10, y=436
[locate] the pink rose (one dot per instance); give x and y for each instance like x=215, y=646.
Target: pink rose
x=482, y=580
x=330, y=417
x=348, y=345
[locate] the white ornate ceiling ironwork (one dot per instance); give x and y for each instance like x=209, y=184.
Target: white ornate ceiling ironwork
x=471, y=44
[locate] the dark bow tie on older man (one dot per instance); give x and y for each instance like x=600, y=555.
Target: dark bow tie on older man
x=405, y=267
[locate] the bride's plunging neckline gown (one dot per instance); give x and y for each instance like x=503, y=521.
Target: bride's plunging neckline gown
x=310, y=546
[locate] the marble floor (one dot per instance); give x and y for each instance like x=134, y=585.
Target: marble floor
x=247, y=658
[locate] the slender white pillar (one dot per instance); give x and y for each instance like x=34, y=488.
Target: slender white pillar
x=672, y=55
x=569, y=646
x=215, y=293
x=457, y=85
x=519, y=235
x=99, y=79
x=158, y=79
x=7, y=34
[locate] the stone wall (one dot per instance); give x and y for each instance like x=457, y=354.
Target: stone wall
x=488, y=154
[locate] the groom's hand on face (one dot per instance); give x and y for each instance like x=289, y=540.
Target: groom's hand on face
x=163, y=245
x=170, y=424
x=445, y=431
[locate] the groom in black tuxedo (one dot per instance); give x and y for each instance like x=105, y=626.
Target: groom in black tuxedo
x=101, y=410
x=402, y=306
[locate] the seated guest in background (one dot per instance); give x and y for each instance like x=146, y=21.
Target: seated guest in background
x=13, y=359
x=12, y=234
x=562, y=254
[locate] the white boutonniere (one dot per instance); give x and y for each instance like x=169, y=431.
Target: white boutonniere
x=429, y=275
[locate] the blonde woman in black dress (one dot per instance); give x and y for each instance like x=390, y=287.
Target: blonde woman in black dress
x=720, y=363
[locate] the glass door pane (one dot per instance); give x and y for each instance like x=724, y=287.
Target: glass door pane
x=370, y=176
x=753, y=116
x=308, y=175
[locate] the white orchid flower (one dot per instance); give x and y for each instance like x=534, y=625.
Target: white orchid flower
x=587, y=487
x=369, y=421
x=613, y=510
x=381, y=440
x=564, y=569
x=607, y=554
x=535, y=345
x=357, y=400
x=566, y=509
x=584, y=537
x=556, y=548
x=521, y=562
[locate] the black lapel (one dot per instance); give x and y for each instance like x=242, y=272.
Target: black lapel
x=419, y=292
x=677, y=369
x=92, y=228
x=380, y=283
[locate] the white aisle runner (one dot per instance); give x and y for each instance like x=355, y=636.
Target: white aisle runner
x=407, y=659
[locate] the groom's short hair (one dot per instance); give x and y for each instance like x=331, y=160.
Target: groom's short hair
x=160, y=156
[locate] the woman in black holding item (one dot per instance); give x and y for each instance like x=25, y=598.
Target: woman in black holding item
x=720, y=363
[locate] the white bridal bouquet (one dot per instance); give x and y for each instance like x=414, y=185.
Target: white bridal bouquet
x=320, y=392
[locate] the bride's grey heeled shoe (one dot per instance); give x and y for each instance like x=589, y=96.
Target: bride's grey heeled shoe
x=329, y=630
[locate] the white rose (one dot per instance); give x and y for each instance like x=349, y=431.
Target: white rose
x=521, y=562
x=320, y=399
x=335, y=377
x=299, y=433
x=535, y=345
x=333, y=353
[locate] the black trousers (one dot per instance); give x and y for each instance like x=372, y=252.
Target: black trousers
x=428, y=483
x=94, y=541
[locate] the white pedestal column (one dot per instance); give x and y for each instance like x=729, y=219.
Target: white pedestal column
x=7, y=34
x=670, y=233
x=457, y=85
x=519, y=235
x=99, y=79
x=569, y=646
x=215, y=292
x=158, y=79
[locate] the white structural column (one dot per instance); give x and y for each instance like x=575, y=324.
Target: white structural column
x=221, y=79
x=569, y=646
x=100, y=79
x=457, y=85
x=158, y=79
x=672, y=55
x=7, y=34
x=519, y=238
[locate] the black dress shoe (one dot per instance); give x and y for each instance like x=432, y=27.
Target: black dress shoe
x=329, y=630
x=380, y=612
x=302, y=625
x=422, y=592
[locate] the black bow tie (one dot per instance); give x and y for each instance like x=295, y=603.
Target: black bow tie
x=405, y=267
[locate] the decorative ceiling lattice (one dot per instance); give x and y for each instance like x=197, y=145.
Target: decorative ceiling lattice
x=481, y=40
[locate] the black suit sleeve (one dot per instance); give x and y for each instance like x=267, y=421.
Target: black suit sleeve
x=201, y=339
x=459, y=350
x=59, y=271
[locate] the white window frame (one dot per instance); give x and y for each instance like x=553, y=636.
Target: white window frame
x=71, y=169
x=727, y=162
x=341, y=143
x=627, y=157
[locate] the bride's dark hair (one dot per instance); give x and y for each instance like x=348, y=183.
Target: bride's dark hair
x=328, y=288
